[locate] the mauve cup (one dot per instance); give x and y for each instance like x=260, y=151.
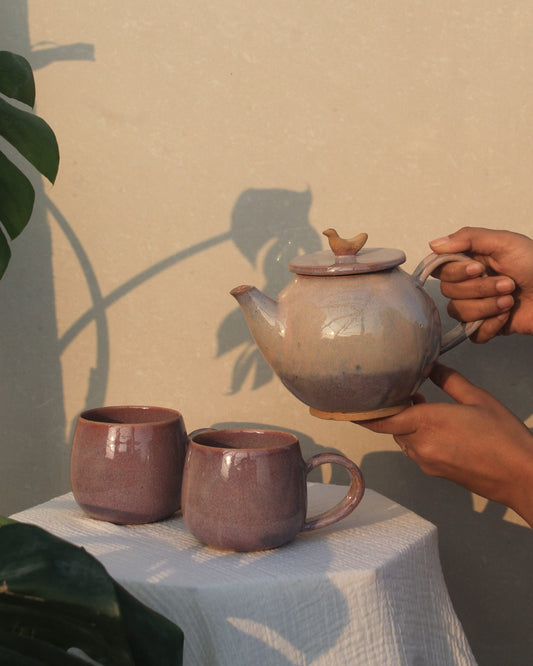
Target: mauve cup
x=246, y=490
x=126, y=464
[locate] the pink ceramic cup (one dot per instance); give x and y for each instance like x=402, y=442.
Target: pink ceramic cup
x=126, y=463
x=246, y=490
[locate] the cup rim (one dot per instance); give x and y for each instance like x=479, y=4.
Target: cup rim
x=290, y=439
x=167, y=415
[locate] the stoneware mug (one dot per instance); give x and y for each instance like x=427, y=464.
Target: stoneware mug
x=126, y=463
x=246, y=489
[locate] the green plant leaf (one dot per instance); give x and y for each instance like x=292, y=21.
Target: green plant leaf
x=23, y=651
x=32, y=137
x=153, y=639
x=17, y=197
x=4, y=520
x=55, y=592
x=16, y=78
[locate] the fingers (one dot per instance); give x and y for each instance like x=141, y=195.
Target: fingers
x=481, y=308
x=470, y=239
x=491, y=327
x=457, y=386
x=403, y=423
x=462, y=286
x=459, y=271
x=490, y=297
x=408, y=421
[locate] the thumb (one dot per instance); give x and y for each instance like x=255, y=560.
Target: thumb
x=469, y=239
x=457, y=386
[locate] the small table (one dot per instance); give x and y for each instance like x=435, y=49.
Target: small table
x=366, y=591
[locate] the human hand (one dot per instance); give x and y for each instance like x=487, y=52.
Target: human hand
x=477, y=442
x=504, y=297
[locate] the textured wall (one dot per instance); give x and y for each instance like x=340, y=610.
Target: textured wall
x=205, y=144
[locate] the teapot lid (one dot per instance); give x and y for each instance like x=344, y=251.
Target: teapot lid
x=346, y=257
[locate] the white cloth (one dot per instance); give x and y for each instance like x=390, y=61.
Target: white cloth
x=368, y=590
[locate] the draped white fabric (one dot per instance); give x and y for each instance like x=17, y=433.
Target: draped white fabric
x=366, y=591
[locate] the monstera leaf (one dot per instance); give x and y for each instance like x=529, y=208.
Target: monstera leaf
x=25, y=133
x=58, y=605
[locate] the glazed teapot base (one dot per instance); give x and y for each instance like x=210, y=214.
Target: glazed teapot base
x=359, y=416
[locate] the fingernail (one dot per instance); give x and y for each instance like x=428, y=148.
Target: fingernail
x=439, y=241
x=505, y=302
x=504, y=285
x=474, y=269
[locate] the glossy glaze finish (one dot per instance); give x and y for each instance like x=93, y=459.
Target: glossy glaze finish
x=127, y=463
x=247, y=489
x=351, y=345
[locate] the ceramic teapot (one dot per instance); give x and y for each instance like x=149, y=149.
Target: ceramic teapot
x=353, y=335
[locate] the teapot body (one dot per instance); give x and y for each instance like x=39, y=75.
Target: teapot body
x=353, y=335
x=358, y=345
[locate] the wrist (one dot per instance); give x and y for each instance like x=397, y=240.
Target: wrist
x=530, y=325
x=526, y=307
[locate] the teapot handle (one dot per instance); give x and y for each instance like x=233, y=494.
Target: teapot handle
x=421, y=273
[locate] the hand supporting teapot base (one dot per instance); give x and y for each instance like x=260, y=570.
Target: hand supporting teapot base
x=359, y=416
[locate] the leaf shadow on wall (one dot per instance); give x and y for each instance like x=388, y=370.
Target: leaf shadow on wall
x=35, y=456
x=271, y=224
x=48, y=53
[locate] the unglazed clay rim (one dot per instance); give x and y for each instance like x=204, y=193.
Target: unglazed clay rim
x=173, y=415
x=359, y=416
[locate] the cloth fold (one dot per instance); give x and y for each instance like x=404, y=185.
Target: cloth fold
x=368, y=590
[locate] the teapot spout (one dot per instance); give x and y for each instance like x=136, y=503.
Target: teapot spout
x=262, y=317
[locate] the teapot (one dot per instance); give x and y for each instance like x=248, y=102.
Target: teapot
x=352, y=336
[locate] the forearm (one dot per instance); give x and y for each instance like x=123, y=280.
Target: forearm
x=521, y=497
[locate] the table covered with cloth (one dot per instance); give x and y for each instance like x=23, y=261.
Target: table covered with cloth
x=368, y=590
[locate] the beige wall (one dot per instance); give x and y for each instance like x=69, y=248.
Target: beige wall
x=204, y=144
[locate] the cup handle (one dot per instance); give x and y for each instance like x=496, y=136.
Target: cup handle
x=421, y=273
x=350, y=500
